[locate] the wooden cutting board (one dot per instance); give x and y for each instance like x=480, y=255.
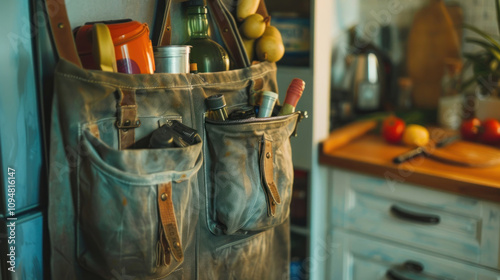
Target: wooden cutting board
x=467, y=154
x=457, y=18
x=432, y=39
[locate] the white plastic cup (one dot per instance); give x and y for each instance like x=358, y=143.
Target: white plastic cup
x=267, y=104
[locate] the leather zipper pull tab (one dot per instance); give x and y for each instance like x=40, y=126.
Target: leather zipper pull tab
x=169, y=222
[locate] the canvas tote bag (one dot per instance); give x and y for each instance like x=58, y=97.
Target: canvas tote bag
x=216, y=209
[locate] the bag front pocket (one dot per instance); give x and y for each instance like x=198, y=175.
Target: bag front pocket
x=250, y=173
x=135, y=208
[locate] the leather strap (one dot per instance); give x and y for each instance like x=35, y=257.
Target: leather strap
x=66, y=48
x=267, y=170
x=63, y=36
x=228, y=31
x=61, y=31
x=164, y=251
x=162, y=30
x=262, y=10
x=127, y=118
x=167, y=33
x=256, y=87
x=168, y=221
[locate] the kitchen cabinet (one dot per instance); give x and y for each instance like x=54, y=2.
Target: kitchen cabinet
x=424, y=219
x=360, y=257
x=438, y=223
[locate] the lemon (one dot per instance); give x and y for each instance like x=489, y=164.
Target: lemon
x=415, y=135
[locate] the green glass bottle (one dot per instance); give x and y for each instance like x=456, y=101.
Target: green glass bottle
x=205, y=52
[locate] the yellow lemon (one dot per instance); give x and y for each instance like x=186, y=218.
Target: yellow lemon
x=415, y=135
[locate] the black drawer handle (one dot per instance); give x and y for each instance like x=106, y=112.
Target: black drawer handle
x=410, y=266
x=393, y=275
x=414, y=216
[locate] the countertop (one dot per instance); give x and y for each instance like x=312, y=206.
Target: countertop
x=370, y=154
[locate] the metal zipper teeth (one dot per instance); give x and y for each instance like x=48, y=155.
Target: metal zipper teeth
x=251, y=120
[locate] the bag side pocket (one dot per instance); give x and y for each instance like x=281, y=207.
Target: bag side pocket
x=250, y=174
x=119, y=228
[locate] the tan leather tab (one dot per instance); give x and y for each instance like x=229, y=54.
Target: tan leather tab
x=256, y=88
x=258, y=84
x=168, y=220
x=61, y=31
x=127, y=119
x=267, y=170
x=164, y=251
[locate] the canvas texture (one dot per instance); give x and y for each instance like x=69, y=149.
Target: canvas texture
x=104, y=217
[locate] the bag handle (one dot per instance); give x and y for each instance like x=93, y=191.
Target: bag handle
x=61, y=31
x=62, y=34
x=225, y=22
x=66, y=48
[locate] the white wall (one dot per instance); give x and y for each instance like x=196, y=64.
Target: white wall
x=80, y=12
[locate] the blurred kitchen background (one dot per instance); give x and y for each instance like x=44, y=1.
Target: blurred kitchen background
x=341, y=34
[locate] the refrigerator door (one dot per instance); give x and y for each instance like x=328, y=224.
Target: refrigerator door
x=21, y=241
x=20, y=128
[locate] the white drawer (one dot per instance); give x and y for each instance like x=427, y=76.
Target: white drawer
x=444, y=223
x=357, y=257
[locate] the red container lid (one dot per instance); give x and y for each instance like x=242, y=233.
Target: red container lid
x=121, y=33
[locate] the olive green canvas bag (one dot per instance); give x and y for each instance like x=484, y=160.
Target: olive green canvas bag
x=215, y=209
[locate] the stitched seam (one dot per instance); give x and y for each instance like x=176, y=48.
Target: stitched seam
x=237, y=82
x=114, y=85
x=160, y=87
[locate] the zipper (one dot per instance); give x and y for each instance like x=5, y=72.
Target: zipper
x=302, y=115
x=253, y=119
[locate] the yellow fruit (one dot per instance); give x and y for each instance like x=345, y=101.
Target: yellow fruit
x=245, y=8
x=253, y=26
x=249, y=48
x=269, y=48
x=272, y=31
x=416, y=135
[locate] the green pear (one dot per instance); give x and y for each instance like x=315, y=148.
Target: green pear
x=269, y=48
x=249, y=48
x=253, y=26
x=272, y=31
x=245, y=8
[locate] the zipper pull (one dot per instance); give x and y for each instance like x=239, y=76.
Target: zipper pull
x=302, y=115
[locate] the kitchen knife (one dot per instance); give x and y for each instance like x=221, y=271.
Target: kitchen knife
x=423, y=150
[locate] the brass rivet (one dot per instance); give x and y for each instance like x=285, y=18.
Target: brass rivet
x=164, y=196
x=177, y=244
x=274, y=203
x=268, y=155
x=127, y=123
x=226, y=30
x=60, y=25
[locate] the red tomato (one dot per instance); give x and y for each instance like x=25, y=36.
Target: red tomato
x=490, y=131
x=392, y=129
x=470, y=129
